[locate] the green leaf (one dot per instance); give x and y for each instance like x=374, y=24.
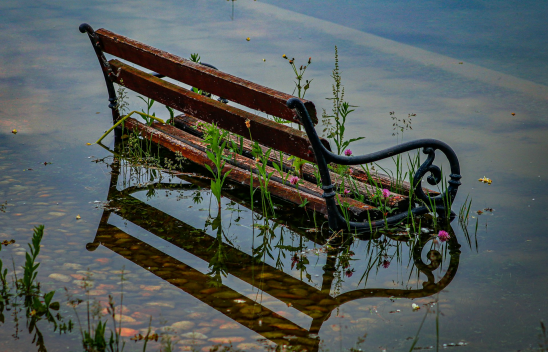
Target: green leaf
x=48, y=297
x=355, y=139
x=209, y=168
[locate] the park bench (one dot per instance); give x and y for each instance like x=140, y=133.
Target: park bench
x=319, y=183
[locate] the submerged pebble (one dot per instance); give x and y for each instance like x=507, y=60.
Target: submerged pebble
x=194, y=336
x=182, y=325
x=84, y=283
x=72, y=266
x=226, y=340
x=127, y=332
x=161, y=304
x=249, y=346
x=60, y=277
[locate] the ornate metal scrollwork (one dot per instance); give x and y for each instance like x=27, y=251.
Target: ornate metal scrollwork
x=324, y=156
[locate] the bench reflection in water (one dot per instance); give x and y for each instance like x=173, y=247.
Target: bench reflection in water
x=223, y=258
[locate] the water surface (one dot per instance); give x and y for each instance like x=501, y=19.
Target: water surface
x=462, y=67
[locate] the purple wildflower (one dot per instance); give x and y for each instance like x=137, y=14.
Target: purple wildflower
x=348, y=152
x=385, y=263
x=346, y=191
x=349, y=272
x=385, y=193
x=294, y=180
x=443, y=236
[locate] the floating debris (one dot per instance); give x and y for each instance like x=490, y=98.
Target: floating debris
x=485, y=180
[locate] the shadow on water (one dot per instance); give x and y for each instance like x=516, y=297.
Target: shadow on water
x=226, y=258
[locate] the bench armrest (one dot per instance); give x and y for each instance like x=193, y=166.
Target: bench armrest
x=324, y=157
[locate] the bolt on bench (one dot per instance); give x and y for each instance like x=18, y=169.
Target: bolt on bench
x=184, y=137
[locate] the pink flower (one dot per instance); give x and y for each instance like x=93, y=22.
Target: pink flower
x=294, y=180
x=443, y=236
x=385, y=193
x=346, y=191
x=385, y=263
x=348, y=152
x=349, y=272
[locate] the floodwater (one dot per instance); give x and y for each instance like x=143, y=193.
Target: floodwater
x=474, y=74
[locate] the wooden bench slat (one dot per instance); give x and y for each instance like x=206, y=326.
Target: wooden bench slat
x=185, y=143
x=191, y=125
x=267, y=132
x=233, y=88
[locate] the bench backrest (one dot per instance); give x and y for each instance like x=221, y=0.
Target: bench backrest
x=246, y=93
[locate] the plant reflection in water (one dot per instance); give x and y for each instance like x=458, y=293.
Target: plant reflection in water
x=275, y=240
x=22, y=298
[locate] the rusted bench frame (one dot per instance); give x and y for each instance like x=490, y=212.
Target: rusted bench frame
x=307, y=146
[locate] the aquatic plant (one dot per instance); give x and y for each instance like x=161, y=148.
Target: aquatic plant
x=301, y=92
x=122, y=103
x=299, y=77
x=26, y=283
x=217, y=263
x=261, y=162
x=335, y=124
x=216, y=142
x=280, y=168
x=36, y=305
x=93, y=337
x=149, y=102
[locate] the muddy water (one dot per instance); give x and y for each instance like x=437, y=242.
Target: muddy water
x=207, y=280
